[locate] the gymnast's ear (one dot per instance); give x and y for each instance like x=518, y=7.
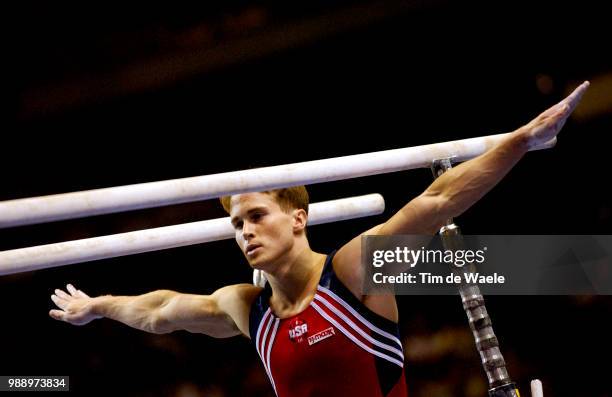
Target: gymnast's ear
x=300, y=218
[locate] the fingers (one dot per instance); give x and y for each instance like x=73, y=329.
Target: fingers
x=552, y=110
x=77, y=293
x=536, y=388
x=64, y=301
x=62, y=294
x=561, y=113
x=571, y=101
x=71, y=289
x=574, y=98
x=555, y=117
x=59, y=302
x=56, y=314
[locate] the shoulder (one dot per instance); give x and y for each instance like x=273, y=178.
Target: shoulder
x=347, y=262
x=236, y=301
x=350, y=272
x=236, y=294
x=240, y=291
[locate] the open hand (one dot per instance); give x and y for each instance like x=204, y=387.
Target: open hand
x=76, y=306
x=548, y=124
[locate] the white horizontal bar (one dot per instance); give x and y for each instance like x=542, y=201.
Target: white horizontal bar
x=91, y=249
x=155, y=194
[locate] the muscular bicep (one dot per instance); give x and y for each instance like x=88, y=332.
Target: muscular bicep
x=421, y=216
x=220, y=315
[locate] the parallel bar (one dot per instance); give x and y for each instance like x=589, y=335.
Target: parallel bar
x=155, y=194
x=91, y=249
x=487, y=344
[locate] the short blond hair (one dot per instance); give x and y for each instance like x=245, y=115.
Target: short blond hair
x=288, y=198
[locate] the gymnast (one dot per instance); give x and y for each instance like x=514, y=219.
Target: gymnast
x=315, y=332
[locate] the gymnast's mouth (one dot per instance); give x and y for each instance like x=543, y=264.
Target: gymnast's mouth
x=252, y=249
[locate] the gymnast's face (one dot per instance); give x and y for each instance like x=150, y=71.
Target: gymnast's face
x=264, y=231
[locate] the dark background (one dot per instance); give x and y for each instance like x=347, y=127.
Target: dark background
x=110, y=94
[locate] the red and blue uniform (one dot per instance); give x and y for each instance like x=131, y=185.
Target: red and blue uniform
x=335, y=347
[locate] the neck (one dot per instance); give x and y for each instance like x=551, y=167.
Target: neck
x=294, y=281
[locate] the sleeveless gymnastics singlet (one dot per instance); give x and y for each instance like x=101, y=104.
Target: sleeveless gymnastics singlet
x=335, y=347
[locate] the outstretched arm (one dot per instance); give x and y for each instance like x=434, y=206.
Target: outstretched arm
x=459, y=188
x=222, y=314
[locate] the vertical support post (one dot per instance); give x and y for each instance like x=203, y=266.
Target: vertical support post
x=487, y=345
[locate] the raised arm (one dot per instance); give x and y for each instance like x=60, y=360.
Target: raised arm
x=459, y=188
x=462, y=186
x=222, y=314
